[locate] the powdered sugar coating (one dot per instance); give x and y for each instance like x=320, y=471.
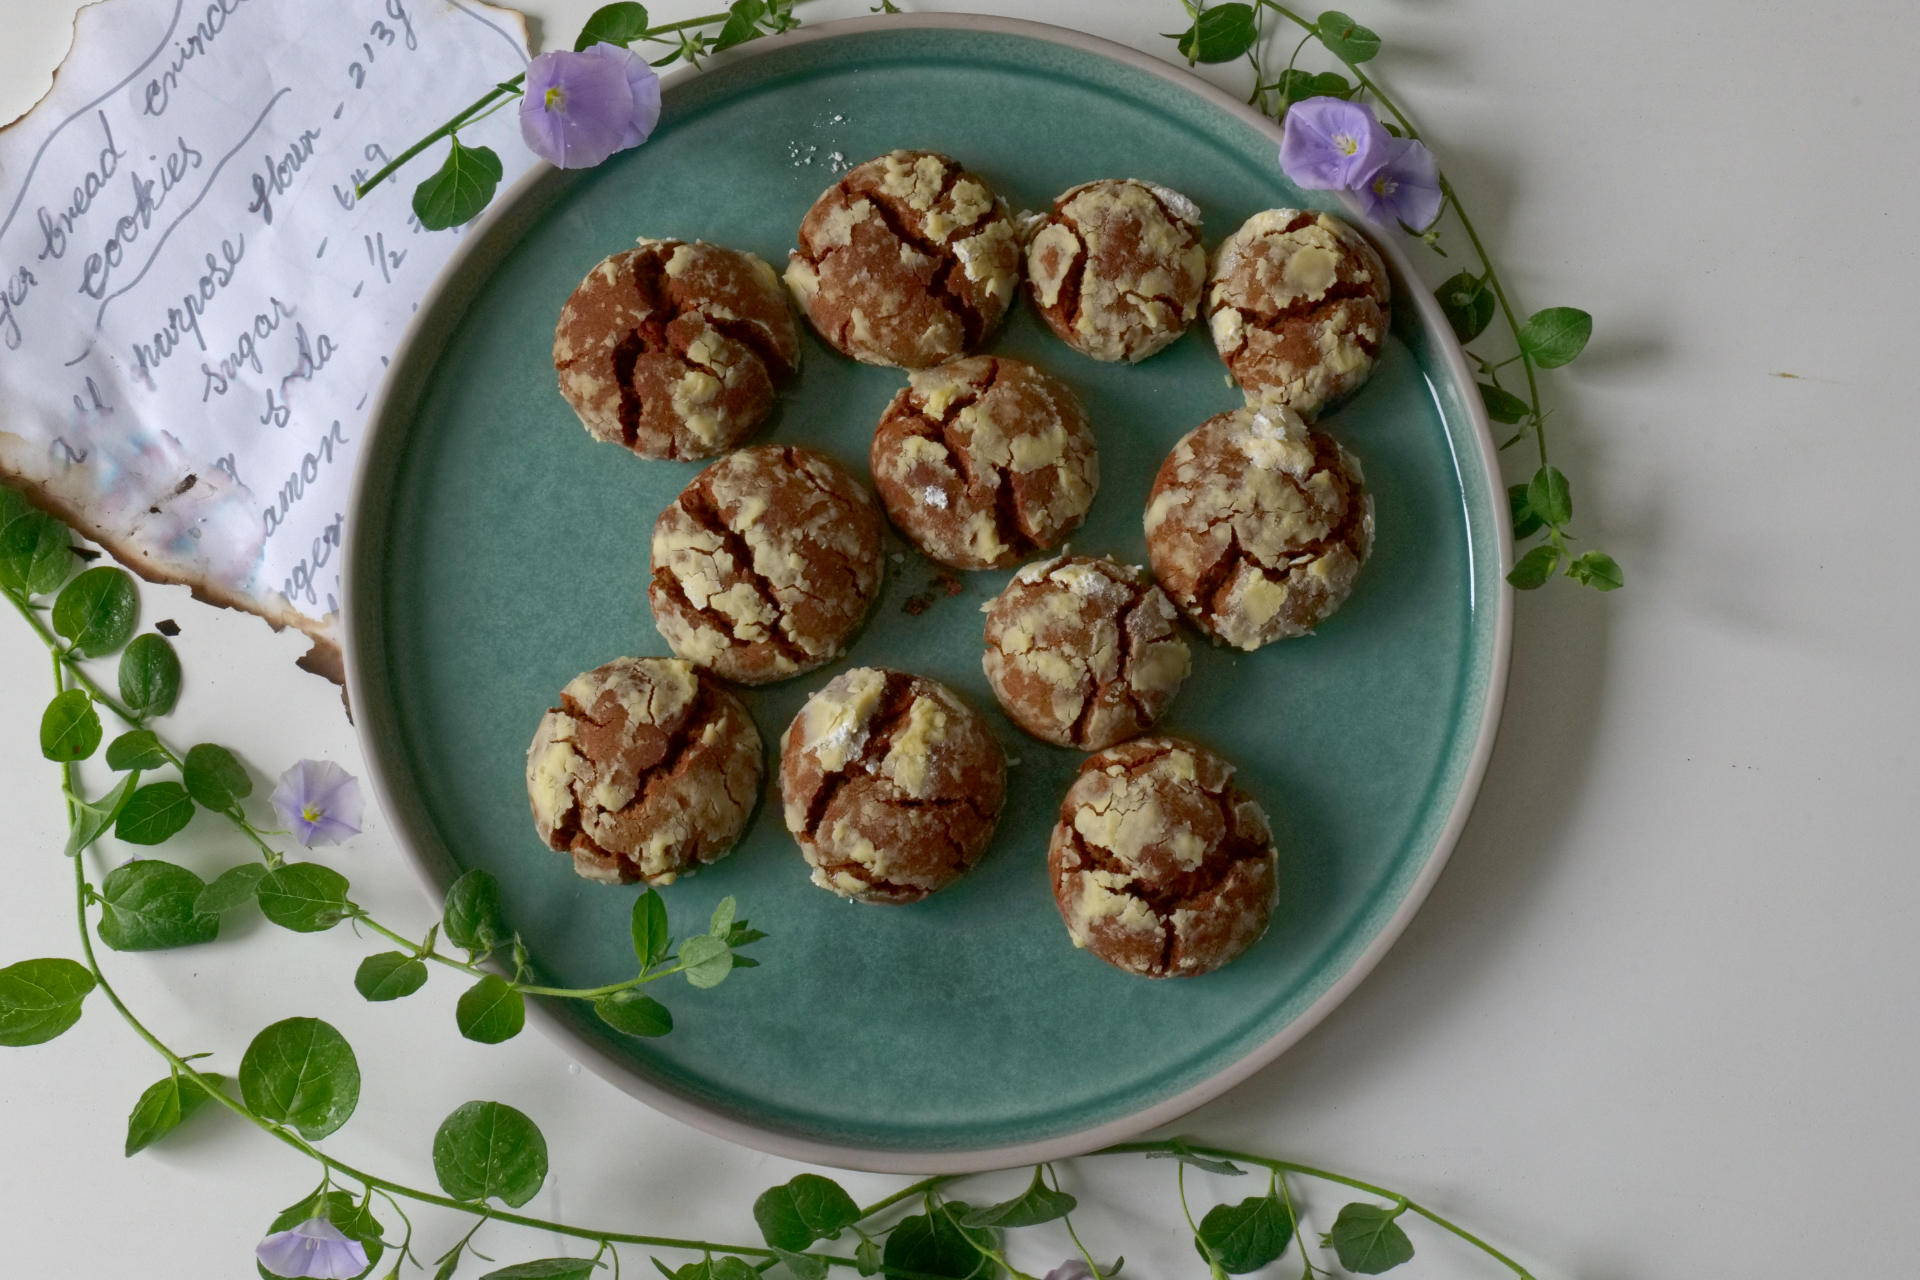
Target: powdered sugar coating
x=1257, y=526
x=1083, y=651
x=1160, y=865
x=1116, y=268
x=766, y=564
x=645, y=771
x=983, y=461
x=890, y=784
x=1297, y=306
x=675, y=350
x=908, y=260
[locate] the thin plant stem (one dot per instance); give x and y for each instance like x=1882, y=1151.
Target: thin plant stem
x=1324, y=1175
x=65, y=658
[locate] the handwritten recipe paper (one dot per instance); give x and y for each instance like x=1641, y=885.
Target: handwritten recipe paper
x=195, y=311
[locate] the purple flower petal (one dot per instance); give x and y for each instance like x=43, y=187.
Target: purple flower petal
x=319, y=801
x=1406, y=187
x=1071, y=1269
x=643, y=82
x=1330, y=144
x=314, y=1248
x=582, y=107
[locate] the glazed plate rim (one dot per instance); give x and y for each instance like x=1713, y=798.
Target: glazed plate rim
x=412, y=829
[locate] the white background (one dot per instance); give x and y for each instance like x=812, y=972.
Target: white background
x=1657, y=1019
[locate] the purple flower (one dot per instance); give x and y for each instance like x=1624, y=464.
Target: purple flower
x=1071, y=1269
x=320, y=803
x=1405, y=188
x=314, y=1248
x=1331, y=144
x=582, y=107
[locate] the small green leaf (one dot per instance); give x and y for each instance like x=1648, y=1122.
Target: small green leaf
x=1368, y=1240
x=96, y=612
x=154, y=813
x=1550, y=496
x=1296, y=85
x=163, y=1108
x=1220, y=34
x=691, y=1271
x=1037, y=1204
x=1525, y=521
x=460, y=189
x=742, y=25
x=804, y=1266
x=723, y=913
x=932, y=1245
x=92, y=818
x=633, y=1013
x=474, y=920
x=136, y=749
x=619, y=24
x=70, y=727
x=40, y=998
x=866, y=1257
x=807, y=1208
x=707, y=959
x=150, y=675
x=1535, y=567
x=305, y=897
x=389, y=975
x=1468, y=303
x=650, y=936
x=490, y=1011
x=215, y=778
x=355, y=1221
x=1246, y=1236
x=1345, y=38
x=733, y=1269
x=36, y=553
x=149, y=905
x=302, y=1072
x=1598, y=570
x=1553, y=337
x=1502, y=405
x=547, y=1268
x=233, y=887
x=487, y=1150
x=1207, y=1163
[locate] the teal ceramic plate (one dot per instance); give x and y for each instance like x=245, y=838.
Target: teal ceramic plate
x=497, y=550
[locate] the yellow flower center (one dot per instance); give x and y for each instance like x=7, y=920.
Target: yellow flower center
x=556, y=100
x=1383, y=185
x=310, y=812
x=1347, y=143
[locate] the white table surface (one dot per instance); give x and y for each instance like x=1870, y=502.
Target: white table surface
x=1657, y=1019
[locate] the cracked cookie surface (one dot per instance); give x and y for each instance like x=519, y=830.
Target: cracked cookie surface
x=1083, y=651
x=766, y=564
x=1297, y=305
x=1161, y=866
x=675, y=350
x=1116, y=268
x=981, y=462
x=645, y=771
x=890, y=784
x=908, y=260
x=1257, y=526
